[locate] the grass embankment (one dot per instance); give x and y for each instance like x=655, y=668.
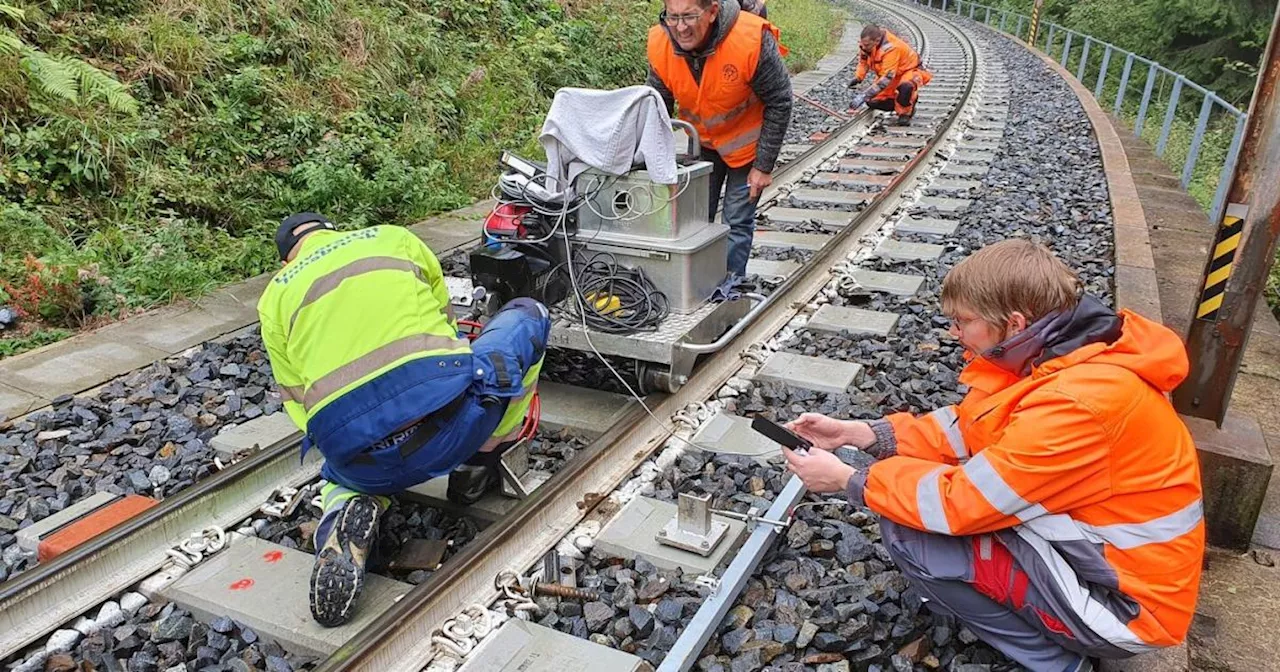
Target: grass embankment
x=371, y=111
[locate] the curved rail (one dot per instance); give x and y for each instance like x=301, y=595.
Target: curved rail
x=399, y=639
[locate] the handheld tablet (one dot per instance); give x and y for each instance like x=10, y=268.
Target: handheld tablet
x=779, y=434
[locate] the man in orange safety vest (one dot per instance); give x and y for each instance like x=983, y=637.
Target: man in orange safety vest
x=723, y=67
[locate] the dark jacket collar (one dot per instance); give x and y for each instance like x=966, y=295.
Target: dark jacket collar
x=1056, y=334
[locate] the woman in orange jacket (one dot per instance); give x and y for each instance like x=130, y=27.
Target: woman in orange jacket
x=1056, y=509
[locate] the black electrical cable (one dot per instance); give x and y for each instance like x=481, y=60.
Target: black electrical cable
x=601, y=279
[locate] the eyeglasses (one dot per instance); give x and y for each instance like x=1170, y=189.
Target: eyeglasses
x=674, y=20
x=962, y=322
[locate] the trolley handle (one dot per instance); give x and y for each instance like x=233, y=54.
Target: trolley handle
x=695, y=142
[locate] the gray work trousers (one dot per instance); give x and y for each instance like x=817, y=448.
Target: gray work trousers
x=977, y=581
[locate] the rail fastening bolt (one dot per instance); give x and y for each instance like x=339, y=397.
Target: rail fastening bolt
x=557, y=590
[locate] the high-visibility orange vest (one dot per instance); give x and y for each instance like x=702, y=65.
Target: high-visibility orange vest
x=724, y=109
x=894, y=55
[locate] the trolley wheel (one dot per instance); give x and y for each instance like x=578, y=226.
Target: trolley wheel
x=656, y=378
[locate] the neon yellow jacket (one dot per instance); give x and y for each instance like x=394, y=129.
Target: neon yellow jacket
x=361, y=337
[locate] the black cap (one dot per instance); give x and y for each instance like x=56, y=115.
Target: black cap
x=285, y=238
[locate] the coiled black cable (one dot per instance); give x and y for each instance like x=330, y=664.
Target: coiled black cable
x=600, y=278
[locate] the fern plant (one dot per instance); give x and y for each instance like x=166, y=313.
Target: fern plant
x=62, y=77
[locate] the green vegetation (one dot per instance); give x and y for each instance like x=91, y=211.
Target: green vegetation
x=1214, y=43
x=810, y=29
x=165, y=176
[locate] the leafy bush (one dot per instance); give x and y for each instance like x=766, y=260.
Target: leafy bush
x=371, y=111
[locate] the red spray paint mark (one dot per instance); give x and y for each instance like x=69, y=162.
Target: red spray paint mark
x=242, y=584
x=273, y=556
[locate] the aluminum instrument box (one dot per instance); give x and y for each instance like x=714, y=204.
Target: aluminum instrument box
x=634, y=205
x=687, y=270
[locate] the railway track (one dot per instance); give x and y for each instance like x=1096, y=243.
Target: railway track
x=839, y=202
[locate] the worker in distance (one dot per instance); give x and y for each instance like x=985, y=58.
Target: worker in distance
x=366, y=352
x=1056, y=510
x=722, y=67
x=899, y=74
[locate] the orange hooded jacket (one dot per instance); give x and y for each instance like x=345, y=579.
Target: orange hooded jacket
x=893, y=62
x=1086, y=460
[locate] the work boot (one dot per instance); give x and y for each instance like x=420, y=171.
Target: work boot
x=344, y=539
x=905, y=119
x=476, y=477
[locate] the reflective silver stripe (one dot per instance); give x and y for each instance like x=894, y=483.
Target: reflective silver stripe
x=1003, y=498
x=733, y=113
x=292, y=393
x=950, y=424
x=331, y=280
x=929, y=501
x=1157, y=531
x=370, y=362
x=744, y=139
x=1094, y=614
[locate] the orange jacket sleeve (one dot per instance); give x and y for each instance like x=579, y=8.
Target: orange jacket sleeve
x=1052, y=456
x=935, y=436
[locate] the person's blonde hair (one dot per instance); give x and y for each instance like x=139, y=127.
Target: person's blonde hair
x=1015, y=275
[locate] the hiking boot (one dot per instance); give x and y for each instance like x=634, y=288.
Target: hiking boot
x=473, y=479
x=904, y=119
x=344, y=539
x=468, y=483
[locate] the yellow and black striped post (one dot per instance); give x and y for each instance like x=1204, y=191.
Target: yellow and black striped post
x=1240, y=256
x=1221, y=260
x=1035, y=22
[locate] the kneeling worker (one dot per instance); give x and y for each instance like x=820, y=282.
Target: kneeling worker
x=365, y=349
x=724, y=68
x=1056, y=510
x=898, y=70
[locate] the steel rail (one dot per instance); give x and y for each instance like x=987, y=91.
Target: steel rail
x=688, y=647
x=38, y=601
x=400, y=638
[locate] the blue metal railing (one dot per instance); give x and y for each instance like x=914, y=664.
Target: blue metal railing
x=1211, y=102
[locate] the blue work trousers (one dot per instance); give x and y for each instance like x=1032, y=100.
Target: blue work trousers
x=510, y=345
x=739, y=208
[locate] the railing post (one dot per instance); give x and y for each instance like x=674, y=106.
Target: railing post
x=1018, y=30
x=1146, y=100
x=987, y=21
x=1084, y=59
x=1228, y=169
x=1004, y=20
x=1048, y=45
x=1066, y=49
x=1193, y=153
x=971, y=8
x=1124, y=82
x=1102, y=74
x=1169, y=116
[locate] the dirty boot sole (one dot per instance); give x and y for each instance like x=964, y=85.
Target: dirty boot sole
x=338, y=575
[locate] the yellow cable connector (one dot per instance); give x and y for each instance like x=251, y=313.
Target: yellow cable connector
x=604, y=304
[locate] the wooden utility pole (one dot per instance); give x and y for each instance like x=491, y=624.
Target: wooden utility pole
x=1240, y=257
